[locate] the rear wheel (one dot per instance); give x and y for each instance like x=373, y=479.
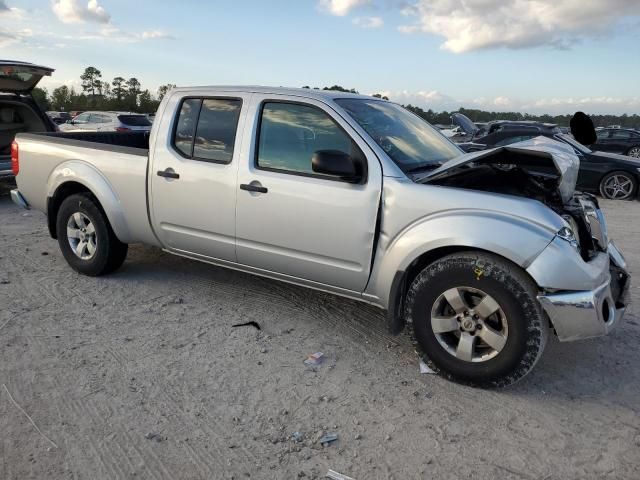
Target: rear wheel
x=634, y=152
x=618, y=186
x=86, y=238
x=475, y=319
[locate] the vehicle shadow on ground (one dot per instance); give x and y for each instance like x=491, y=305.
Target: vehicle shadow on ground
x=601, y=368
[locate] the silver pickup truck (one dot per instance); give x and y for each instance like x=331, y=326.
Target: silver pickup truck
x=480, y=256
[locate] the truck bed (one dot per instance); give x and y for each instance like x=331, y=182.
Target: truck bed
x=134, y=143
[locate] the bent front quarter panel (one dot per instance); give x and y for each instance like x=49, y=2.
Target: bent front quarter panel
x=117, y=179
x=421, y=218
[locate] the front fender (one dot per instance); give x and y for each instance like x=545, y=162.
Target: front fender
x=81, y=172
x=517, y=239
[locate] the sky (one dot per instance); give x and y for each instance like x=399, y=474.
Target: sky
x=536, y=56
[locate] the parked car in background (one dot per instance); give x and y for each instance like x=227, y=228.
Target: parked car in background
x=59, y=117
x=151, y=117
x=612, y=176
x=477, y=253
x=18, y=111
x=108, y=122
x=624, y=141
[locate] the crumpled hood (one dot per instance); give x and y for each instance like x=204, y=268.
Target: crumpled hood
x=540, y=152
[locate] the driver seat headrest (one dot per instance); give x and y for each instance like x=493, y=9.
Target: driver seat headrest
x=582, y=129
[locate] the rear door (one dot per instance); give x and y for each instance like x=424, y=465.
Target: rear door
x=21, y=77
x=193, y=174
x=293, y=221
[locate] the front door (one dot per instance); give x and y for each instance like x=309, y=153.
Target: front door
x=293, y=221
x=193, y=176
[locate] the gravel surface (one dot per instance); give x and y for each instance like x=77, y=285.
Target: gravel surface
x=140, y=374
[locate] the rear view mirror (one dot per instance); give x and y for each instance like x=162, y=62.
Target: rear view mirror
x=336, y=163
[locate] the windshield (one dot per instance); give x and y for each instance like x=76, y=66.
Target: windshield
x=572, y=141
x=409, y=141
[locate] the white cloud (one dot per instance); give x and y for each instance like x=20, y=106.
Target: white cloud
x=341, y=7
x=75, y=11
x=368, y=22
x=470, y=25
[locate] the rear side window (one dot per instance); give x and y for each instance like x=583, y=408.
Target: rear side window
x=206, y=128
x=290, y=134
x=134, y=120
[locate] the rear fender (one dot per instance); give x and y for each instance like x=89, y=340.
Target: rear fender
x=87, y=175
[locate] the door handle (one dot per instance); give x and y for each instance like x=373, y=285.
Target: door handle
x=254, y=187
x=168, y=173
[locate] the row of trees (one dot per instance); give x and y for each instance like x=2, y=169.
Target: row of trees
x=127, y=94
x=118, y=94
x=624, y=120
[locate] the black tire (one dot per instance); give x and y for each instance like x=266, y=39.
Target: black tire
x=606, y=191
x=634, y=151
x=108, y=254
x=514, y=292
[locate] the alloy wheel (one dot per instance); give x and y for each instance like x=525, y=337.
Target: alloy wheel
x=618, y=187
x=81, y=234
x=469, y=324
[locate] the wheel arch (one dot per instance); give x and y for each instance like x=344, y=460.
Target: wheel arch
x=403, y=279
x=78, y=177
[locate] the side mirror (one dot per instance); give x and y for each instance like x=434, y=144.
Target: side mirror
x=337, y=164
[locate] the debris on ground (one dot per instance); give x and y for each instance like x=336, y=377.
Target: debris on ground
x=248, y=324
x=314, y=359
x=297, y=437
x=154, y=436
x=424, y=368
x=336, y=476
x=328, y=438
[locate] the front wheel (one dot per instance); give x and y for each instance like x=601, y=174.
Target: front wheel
x=475, y=319
x=86, y=238
x=618, y=186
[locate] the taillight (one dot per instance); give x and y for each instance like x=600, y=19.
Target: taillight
x=122, y=129
x=15, y=162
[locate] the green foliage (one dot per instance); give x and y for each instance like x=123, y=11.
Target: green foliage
x=163, y=89
x=625, y=121
x=40, y=95
x=117, y=95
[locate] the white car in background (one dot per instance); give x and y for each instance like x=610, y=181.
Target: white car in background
x=108, y=122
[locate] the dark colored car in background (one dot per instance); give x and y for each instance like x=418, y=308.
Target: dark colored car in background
x=611, y=175
x=624, y=141
x=18, y=110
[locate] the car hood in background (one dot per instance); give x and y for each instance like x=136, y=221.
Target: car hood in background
x=540, y=152
x=20, y=77
x=464, y=123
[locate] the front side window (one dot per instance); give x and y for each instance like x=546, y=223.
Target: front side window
x=407, y=139
x=206, y=128
x=291, y=133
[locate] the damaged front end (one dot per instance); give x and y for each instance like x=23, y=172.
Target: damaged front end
x=582, y=275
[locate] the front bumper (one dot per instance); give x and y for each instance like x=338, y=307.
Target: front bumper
x=577, y=315
x=18, y=199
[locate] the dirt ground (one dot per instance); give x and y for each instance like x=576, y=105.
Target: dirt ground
x=140, y=375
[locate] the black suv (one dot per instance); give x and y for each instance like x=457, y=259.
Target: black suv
x=18, y=111
x=618, y=140
x=613, y=176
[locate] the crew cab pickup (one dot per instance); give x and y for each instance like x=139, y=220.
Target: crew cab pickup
x=480, y=256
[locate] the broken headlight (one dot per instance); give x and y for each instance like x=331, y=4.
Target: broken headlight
x=567, y=233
